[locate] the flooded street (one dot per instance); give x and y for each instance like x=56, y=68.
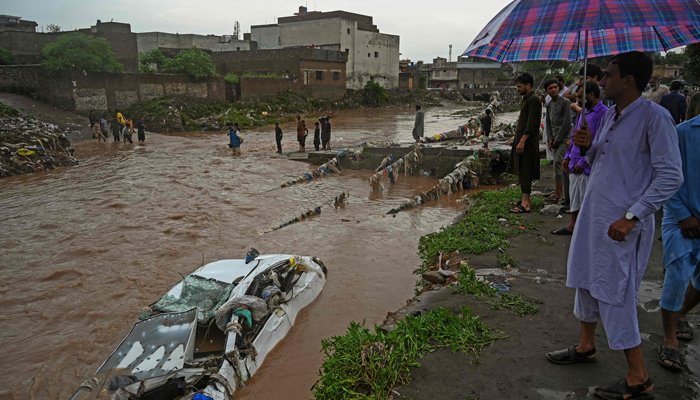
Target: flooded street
x=85, y=249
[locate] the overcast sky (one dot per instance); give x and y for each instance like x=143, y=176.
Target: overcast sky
x=426, y=28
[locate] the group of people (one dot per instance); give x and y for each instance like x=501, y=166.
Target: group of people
x=623, y=163
x=322, y=134
x=122, y=127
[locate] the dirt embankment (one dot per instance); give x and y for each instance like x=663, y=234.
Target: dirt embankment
x=28, y=145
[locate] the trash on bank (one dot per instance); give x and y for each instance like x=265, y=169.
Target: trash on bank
x=221, y=339
x=338, y=202
x=326, y=168
x=391, y=167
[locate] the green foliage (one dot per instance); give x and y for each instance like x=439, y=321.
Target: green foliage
x=691, y=69
x=53, y=28
x=479, y=231
x=364, y=364
x=469, y=283
x=515, y=304
x=672, y=58
x=232, y=78
x=7, y=111
x=193, y=62
x=374, y=95
x=79, y=52
x=150, y=57
x=6, y=58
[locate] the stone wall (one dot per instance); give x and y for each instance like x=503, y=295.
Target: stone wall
x=102, y=92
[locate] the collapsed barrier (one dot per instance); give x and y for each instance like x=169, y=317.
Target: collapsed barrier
x=462, y=177
x=326, y=168
x=340, y=201
x=391, y=167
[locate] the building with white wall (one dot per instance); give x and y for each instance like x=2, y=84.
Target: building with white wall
x=371, y=55
x=146, y=41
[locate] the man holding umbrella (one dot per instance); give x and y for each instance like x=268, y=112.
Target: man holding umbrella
x=636, y=167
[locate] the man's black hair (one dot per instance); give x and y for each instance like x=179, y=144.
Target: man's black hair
x=525, y=79
x=550, y=82
x=592, y=87
x=637, y=64
x=592, y=71
x=676, y=85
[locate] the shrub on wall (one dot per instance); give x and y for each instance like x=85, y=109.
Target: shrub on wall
x=148, y=58
x=79, y=52
x=193, y=62
x=6, y=58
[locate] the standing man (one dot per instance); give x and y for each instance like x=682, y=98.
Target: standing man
x=675, y=103
x=318, y=132
x=558, y=129
x=655, y=91
x=278, y=137
x=234, y=139
x=418, y=124
x=681, y=236
x=525, y=153
x=636, y=168
x=574, y=164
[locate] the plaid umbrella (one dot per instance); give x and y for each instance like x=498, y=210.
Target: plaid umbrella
x=561, y=29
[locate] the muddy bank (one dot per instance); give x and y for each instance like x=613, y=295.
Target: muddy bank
x=515, y=367
x=28, y=145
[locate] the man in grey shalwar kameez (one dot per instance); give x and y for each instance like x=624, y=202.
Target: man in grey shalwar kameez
x=636, y=167
x=419, y=123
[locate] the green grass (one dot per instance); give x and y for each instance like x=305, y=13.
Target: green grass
x=480, y=230
x=7, y=111
x=516, y=304
x=364, y=364
x=468, y=283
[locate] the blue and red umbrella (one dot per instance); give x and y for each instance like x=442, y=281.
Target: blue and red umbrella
x=578, y=29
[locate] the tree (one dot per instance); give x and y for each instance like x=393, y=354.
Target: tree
x=374, y=95
x=193, y=62
x=6, y=58
x=691, y=69
x=150, y=57
x=53, y=28
x=79, y=52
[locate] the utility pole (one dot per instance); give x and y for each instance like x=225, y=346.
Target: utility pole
x=450, y=57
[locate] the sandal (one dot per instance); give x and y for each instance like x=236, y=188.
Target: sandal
x=571, y=356
x=562, y=232
x=684, y=331
x=670, y=359
x=519, y=209
x=620, y=390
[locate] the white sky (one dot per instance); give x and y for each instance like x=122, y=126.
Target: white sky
x=426, y=28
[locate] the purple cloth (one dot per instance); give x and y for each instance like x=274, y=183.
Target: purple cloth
x=636, y=167
x=573, y=153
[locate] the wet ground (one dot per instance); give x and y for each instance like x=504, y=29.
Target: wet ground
x=85, y=248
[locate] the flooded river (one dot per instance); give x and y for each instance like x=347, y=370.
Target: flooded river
x=85, y=249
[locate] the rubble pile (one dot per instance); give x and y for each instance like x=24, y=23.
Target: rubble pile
x=28, y=145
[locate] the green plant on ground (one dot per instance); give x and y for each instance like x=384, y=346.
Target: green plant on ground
x=479, y=231
x=469, y=283
x=79, y=52
x=515, y=304
x=7, y=111
x=364, y=364
x=374, y=95
x=505, y=260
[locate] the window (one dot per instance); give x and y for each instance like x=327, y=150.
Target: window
x=279, y=40
x=369, y=54
x=319, y=75
x=347, y=51
x=376, y=54
x=239, y=49
x=348, y=31
x=336, y=75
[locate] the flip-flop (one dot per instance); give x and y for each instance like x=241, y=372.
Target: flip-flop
x=684, y=331
x=561, y=232
x=670, y=359
x=519, y=209
x=569, y=355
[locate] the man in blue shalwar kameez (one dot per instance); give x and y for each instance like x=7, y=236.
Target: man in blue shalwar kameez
x=681, y=236
x=636, y=167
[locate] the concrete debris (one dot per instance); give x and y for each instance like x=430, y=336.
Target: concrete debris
x=28, y=145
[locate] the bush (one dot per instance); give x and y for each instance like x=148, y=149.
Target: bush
x=6, y=58
x=374, y=95
x=150, y=57
x=232, y=78
x=79, y=52
x=193, y=62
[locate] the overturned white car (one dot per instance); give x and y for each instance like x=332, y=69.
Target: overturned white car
x=211, y=332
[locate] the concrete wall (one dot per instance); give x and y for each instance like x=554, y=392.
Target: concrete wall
x=376, y=58
x=82, y=93
x=26, y=46
x=153, y=40
x=267, y=36
x=318, y=33
x=252, y=87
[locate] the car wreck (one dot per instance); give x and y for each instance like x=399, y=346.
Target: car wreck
x=210, y=332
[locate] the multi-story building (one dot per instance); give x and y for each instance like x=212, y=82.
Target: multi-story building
x=371, y=55
x=16, y=24
x=146, y=41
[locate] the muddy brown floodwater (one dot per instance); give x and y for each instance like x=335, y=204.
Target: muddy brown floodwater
x=84, y=249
